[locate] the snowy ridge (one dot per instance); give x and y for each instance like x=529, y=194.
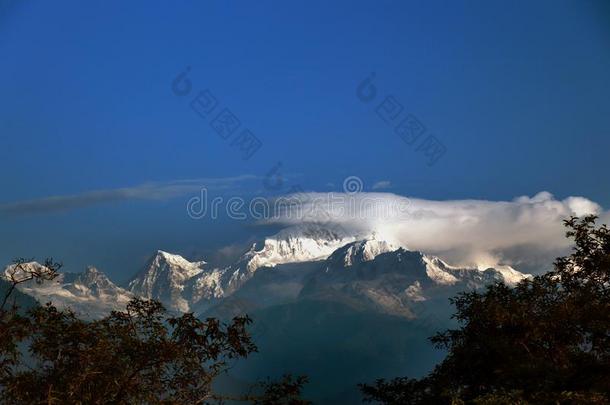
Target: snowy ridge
x=180, y=284
x=443, y=273
x=361, y=251
x=90, y=294
x=510, y=275
x=436, y=269
x=296, y=244
x=299, y=243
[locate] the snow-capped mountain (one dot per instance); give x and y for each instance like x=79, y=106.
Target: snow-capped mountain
x=296, y=244
x=331, y=301
x=90, y=293
x=377, y=275
x=443, y=273
x=94, y=283
x=370, y=272
x=175, y=281
x=181, y=284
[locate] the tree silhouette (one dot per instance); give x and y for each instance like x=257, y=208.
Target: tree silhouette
x=545, y=341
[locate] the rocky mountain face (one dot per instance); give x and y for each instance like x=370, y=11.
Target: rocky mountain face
x=376, y=275
x=175, y=281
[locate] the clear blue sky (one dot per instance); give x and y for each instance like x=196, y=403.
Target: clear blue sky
x=518, y=92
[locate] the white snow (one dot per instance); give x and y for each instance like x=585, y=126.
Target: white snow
x=443, y=273
x=366, y=250
x=435, y=269
x=90, y=294
x=510, y=275
x=296, y=244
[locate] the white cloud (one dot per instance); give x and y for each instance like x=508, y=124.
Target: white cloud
x=381, y=185
x=526, y=231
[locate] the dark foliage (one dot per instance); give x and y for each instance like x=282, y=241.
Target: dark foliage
x=139, y=356
x=286, y=391
x=545, y=341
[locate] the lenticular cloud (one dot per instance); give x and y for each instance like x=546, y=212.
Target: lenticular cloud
x=526, y=232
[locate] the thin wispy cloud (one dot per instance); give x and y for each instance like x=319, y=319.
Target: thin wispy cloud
x=380, y=185
x=147, y=191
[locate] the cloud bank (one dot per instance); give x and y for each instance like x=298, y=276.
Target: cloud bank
x=526, y=232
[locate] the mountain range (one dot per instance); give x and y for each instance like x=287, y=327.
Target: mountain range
x=369, y=271
x=339, y=308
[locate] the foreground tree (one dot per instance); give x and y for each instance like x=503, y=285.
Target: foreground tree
x=545, y=341
x=139, y=356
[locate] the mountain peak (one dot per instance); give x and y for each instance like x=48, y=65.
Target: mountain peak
x=176, y=259
x=360, y=251
x=93, y=274
x=91, y=283
x=23, y=270
x=93, y=271
x=93, y=278
x=164, y=277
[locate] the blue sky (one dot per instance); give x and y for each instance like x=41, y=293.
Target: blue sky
x=517, y=92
